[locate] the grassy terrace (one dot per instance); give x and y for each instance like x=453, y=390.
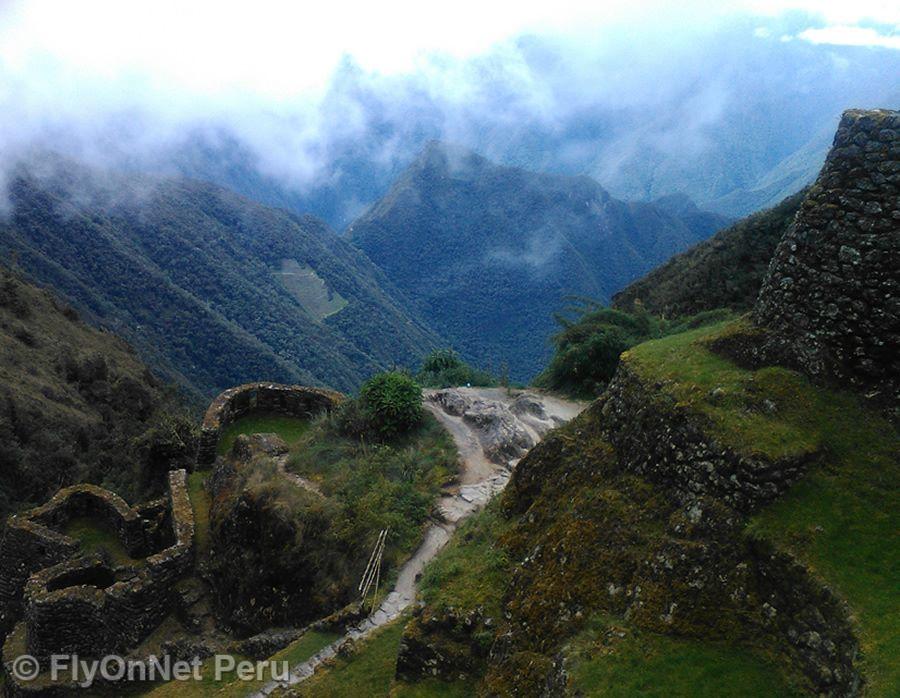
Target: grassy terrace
x=612, y=658
x=370, y=672
x=291, y=429
x=95, y=536
x=843, y=518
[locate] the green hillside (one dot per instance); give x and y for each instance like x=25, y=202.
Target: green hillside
x=490, y=253
x=193, y=276
x=725, y=271
x=77, y=405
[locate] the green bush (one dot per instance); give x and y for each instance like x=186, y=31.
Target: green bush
x=391, y=403
x=588, y=347
x=443, y=368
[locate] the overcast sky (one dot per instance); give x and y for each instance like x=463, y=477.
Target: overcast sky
x=265, y=68
x=278, y=50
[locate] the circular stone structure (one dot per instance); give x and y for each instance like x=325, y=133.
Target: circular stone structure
x=270, y=398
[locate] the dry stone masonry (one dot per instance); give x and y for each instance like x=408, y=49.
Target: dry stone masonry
x=671, y=446
x=274, y=398
x=61, y=601
x=833, y=287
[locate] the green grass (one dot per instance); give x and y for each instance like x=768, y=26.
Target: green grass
x=431, y=688
x=690, y=373
x=843, y=518
x=612, y=658
x=473, y=569
x=310, y=290
x=228, y=686
x=200, y=502
x=369, y=672
x=96, y=536
x=291, y=429
x=378, y=486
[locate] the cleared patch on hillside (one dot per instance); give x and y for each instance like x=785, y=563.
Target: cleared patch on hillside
x=310, y=290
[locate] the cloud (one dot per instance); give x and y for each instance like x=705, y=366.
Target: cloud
x=306, y=93
x=843, y=35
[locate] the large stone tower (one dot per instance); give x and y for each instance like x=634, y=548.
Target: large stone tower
x=833, y=288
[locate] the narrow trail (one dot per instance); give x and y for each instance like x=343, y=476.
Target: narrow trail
x=492, y=429
x=301, y=482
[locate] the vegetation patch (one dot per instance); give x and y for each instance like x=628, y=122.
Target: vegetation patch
x=378, y=485
x=310, y=290
x=367, y=670
x=611, y=657
x=725, y=271
x=308, y=545
x=95, y=536
x=587, y=348
x=841, y=519
x=443, y=368
x=200, y=503
x=473, y=570
x=291, y=429
x=78, y=406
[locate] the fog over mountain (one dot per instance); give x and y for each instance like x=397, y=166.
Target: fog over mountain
x=732, y=104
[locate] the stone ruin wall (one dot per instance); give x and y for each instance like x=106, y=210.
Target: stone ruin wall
x=667, y=445
x=832, y=291
x=275, y=398
x=79, y=604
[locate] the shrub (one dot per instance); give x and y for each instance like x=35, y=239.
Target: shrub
x=588, y=347
x=443, y=368
x=392, y=403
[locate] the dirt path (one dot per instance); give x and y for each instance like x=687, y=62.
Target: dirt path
x=492, y=429
x=299, y=481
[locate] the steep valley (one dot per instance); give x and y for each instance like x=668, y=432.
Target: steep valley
x=718, y=519
x=488, y=254
x=203, y=282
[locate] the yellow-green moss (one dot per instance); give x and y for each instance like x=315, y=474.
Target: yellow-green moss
x=613, y=658
x=842, y=519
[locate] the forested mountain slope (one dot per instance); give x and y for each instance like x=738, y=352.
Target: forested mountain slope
x=77, y=405
x=725, y=271
x=215, y=289
x=490, y=253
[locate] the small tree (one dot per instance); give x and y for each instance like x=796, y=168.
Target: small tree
x=392, y=403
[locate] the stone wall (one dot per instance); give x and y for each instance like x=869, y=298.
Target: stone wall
x=83, y=604
x=234, y=403
x=657, y=439
x=832, y=293
x=33, y=540
x=667, y=445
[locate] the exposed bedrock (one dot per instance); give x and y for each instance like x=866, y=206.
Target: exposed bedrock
x=506, y=431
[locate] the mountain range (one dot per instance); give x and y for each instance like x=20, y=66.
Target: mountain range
x=212, y=288
x=490, y=253
x=737, y=123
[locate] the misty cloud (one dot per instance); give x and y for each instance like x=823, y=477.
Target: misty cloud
x=317, y=103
